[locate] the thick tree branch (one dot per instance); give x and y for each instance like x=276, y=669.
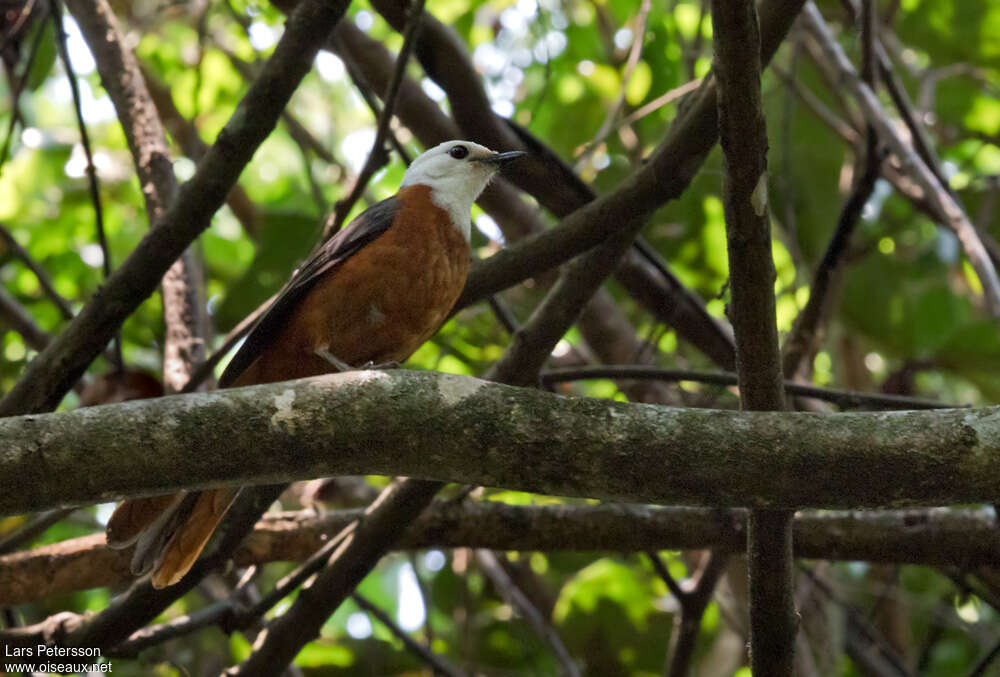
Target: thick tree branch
x=454, y=428
x=49, y=376
x=743, y=134
x=960, y=538
x=122, y=79
x=184, y=314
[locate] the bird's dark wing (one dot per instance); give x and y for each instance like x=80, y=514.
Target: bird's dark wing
x=364, y=229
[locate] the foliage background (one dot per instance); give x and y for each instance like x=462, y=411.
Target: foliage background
x=909, y=318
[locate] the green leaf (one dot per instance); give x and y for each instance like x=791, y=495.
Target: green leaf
x=45, y=58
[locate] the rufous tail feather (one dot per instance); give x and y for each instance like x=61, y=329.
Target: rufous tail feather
x=189, y=537
x=133, y=515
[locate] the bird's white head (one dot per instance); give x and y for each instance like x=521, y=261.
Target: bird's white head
x=457, y=172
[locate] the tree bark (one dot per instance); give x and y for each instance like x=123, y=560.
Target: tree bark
x=455, y=428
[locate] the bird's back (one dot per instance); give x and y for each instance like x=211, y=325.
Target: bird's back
x=380, y=304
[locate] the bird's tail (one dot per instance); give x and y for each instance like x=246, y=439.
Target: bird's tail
x=169, y=532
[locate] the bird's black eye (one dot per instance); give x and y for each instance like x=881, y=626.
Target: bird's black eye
x=458, y=152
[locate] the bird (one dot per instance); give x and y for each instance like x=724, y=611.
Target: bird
x=369, y=296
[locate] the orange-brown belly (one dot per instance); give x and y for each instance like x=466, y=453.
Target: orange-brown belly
x=378, y=306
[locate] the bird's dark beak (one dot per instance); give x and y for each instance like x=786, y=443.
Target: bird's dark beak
x=500, y=160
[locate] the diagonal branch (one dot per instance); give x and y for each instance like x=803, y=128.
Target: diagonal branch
x=35, y=527
x=513, y=595
x=15, y=316
x=533, y=343
x=803, y=340
x=437, y=663
x=384, y=523
x=11, y=244
x=186, y=137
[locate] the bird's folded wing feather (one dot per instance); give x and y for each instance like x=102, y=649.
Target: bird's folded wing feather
x=361, y=231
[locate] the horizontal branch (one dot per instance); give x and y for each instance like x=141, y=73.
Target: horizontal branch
x=846, y=399
x=961, y=538
x=460, y=429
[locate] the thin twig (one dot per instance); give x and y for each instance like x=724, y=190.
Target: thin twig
x=20, y=320
x=518, y=600
x=822, y=112
x=354, y=558
x=205, y=368
x=659, y=102
x=984, y=663
x=503, y=314
x=176, y=627
x=692, y=603
x=36, y=527
x=638, y=39
x=862, y=636
x=91, y=170
x=846, y=399
x=664, y=573
x=366, y=90
x=377, y=157
x=42, y=275
x=437, y=663
x=17, y=87
x=949, y=211
x=803, y=339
